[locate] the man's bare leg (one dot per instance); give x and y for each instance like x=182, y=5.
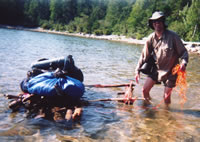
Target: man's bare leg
x=149, y=83
x=167, y=95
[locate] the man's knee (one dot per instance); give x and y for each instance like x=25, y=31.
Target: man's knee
x=145, y=90
x=148, y=85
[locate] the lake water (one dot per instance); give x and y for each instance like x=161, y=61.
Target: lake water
x=102, y=62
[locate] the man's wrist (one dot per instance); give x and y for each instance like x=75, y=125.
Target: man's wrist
x=185, y=64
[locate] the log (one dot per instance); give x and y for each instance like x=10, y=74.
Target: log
x=129, y=94
x=77, y=112
x=108, y=86
x=11, y=96
x=115, y=99
x=120, y=93
x=57, y=115
x=68, y=115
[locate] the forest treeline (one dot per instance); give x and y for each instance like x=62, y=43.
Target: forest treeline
x=103, y=17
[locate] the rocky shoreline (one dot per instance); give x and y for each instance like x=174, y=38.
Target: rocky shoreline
x=192, y=47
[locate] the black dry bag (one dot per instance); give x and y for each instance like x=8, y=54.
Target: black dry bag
x=149, y=66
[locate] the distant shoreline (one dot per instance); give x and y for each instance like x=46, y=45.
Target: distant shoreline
x=103, y=37
x=193, y=47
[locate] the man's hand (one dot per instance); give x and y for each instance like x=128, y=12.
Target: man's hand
x=137, y=78
x=182, y=67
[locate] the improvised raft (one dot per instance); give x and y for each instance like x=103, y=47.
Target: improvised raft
x=53, y=90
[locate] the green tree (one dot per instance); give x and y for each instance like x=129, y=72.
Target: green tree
x=121, y=17
x=176, y=8
x=44, y=9
x=113, y=12
x=56, y=11
x=193, y=21
x=137, y=21
x=97, y=14
x=31, y=12
x=68, y=11
x=84, y=7
x=187, y=24
x=62, y=11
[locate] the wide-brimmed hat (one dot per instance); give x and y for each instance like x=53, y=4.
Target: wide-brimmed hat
x=155, y=16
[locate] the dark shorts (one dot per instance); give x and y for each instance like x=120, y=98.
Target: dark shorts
x=169, y=82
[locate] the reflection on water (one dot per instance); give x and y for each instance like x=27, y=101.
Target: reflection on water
x=102, y=62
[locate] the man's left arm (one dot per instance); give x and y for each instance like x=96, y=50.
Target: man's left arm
x=182, y=53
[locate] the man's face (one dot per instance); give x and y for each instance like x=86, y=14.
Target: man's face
x=158, y=25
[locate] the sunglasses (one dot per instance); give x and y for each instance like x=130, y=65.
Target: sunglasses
x=157, y=21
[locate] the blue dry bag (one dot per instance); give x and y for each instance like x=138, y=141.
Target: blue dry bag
x=44, y=85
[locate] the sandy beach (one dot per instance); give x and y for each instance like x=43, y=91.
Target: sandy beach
x=102, y=37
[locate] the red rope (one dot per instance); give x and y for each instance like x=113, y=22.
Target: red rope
x=181, y=83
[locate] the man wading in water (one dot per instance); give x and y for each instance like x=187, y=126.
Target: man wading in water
x=166, y=48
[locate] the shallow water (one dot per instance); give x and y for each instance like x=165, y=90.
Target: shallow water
x=102, y=62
